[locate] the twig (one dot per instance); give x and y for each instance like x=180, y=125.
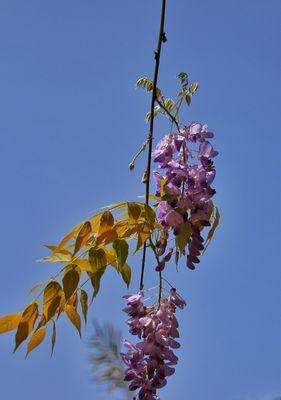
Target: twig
x=162, y=38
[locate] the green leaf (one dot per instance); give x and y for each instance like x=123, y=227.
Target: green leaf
x=97, y=258
x=70, y=282
x=126, y=274
x=95, y=280
x=149, y=215
x=213, y=229
x=121, y=249
x=84, y=303
x=183, y=237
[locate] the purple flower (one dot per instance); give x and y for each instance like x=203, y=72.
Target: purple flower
x=206, y=150
x=151, y=361
x=188, y=180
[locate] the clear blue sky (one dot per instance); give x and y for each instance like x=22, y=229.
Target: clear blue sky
x=71, y=119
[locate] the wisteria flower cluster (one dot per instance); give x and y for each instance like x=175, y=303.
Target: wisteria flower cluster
x=152, y=360
x=185, y=186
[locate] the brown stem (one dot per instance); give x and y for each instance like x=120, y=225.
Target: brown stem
x=157, y=53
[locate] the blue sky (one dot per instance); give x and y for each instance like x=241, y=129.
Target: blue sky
x=70, y=121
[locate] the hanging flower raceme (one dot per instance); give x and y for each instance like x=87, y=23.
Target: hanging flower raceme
x=184, y=187
x=152, y=360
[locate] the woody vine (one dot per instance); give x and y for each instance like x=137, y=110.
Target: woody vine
x=171, y=223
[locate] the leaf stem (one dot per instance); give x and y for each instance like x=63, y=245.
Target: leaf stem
x=173, y=119
x=157, y=54
x=160, y=273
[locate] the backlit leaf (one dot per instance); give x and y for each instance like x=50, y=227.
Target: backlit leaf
x=9, y=322
x=84, y=264
x=74, y=317
x=26, y=323
x=134, y=210
x=57, y=257
x=106, y=222
x=69, y=236
x=143, y=235
x=41, y=323
x=84, y=303
x=149, y=214
x=36, y=339
x=83, y=236
x=121, y=249
x=97, y=258
x=51, y=299
x=70, y=282
x=126, y=274
x=95, y=222
x=95, y=280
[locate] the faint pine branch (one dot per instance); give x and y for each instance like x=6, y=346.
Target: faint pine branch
x=107, y=366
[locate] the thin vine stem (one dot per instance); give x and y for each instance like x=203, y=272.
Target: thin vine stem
x=173, y=119
x=157, y=54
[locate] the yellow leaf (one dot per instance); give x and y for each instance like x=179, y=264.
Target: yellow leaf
x=70, y=282
x=107, y=237
x=36, y=339
x=36, y=287
x=56, y=250
x=57, y=257
x=41, y=323
x=95, y=222
x=83, y=236
x=74, y=317
x=106, y=222
x=134, y=210
x=183, y=237
x=212, y=230
x=69, y=236
x=26, y=323
x=143, y=234
x=125, y=270
x=54, y=335
x=84, y=303
x=110, y=256
x=51, y=299
x=9, y=322
x=83, y=264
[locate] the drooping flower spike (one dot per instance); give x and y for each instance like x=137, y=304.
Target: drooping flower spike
x=151, y=360
x=183, y=185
